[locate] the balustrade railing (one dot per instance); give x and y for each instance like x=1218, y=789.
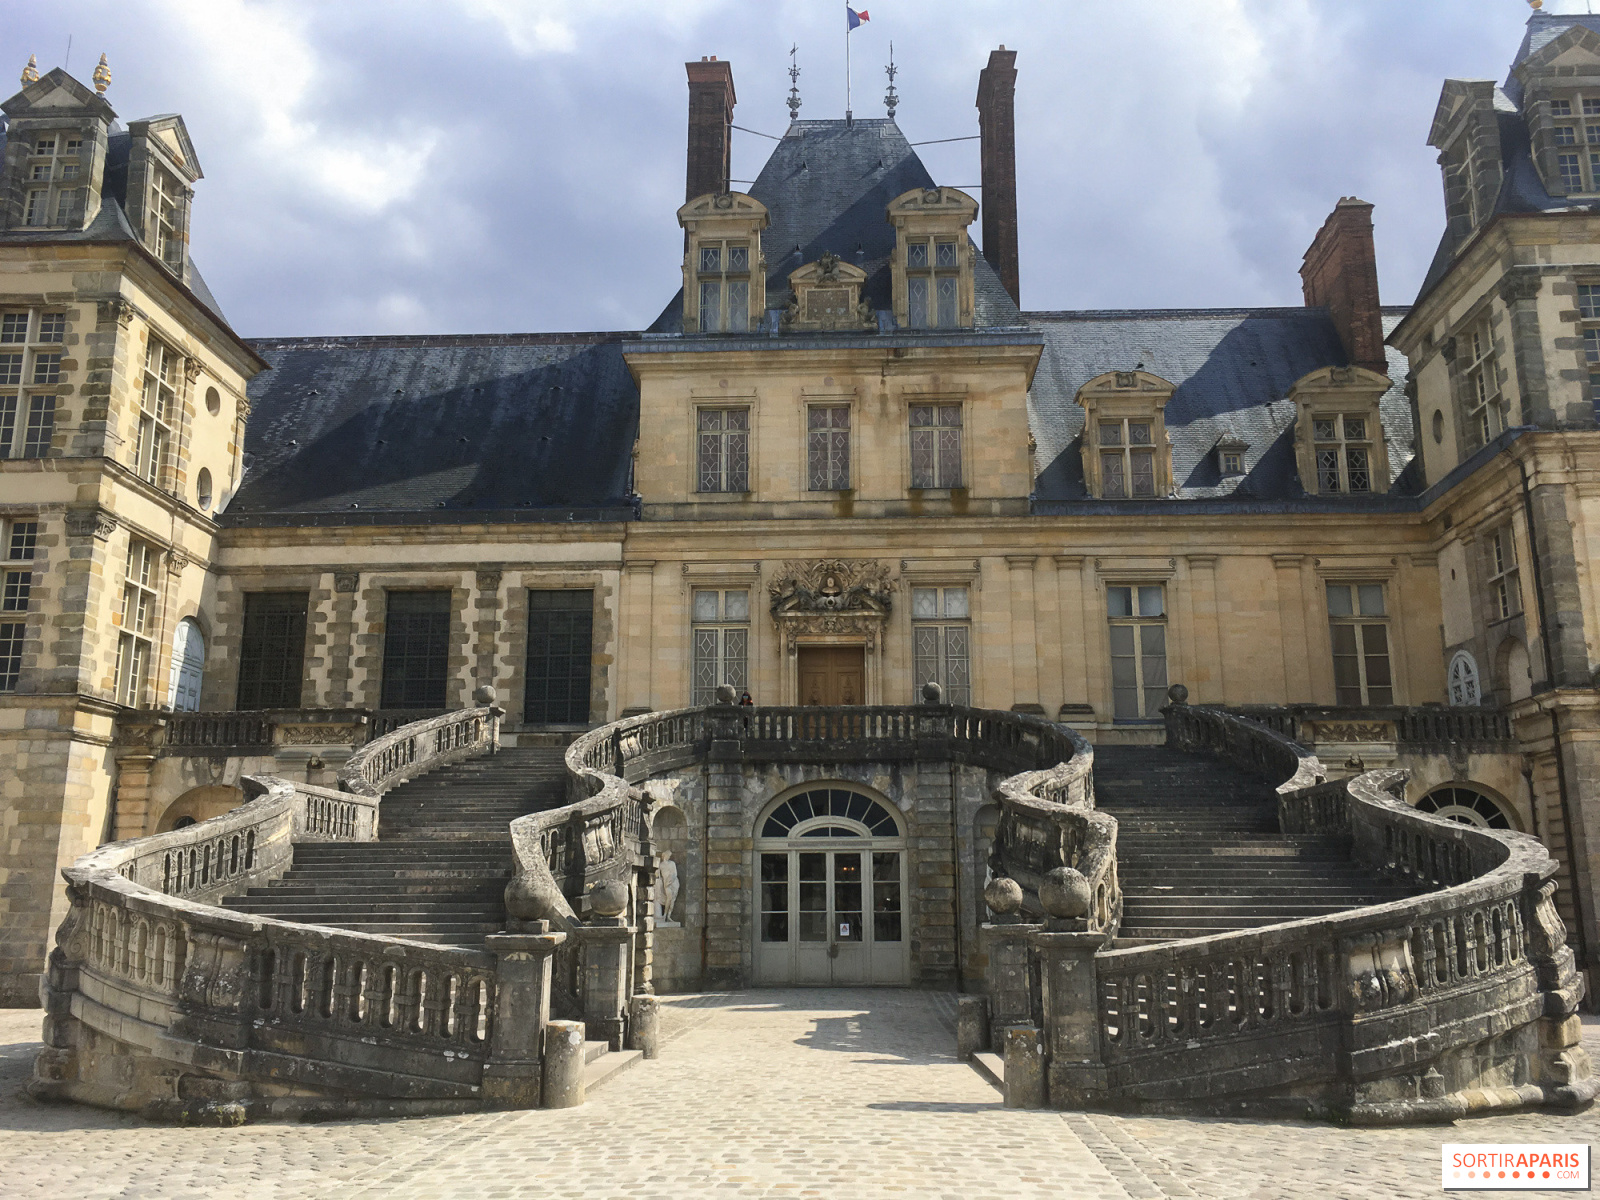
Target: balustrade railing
x=1419, y=727
x=388, y=761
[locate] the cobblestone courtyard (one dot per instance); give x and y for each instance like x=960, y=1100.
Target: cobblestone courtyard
x=763, y=1093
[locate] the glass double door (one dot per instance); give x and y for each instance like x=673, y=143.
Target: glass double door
x=832, y=917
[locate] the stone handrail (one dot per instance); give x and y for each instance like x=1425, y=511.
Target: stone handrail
x=389, y=760
x=1048, y=800
x=1415, y=725
x=1352, y=1015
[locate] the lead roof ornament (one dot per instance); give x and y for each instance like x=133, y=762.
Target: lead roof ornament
x=30, y=73
x=794, y=84
x=891, y=98
x=102, y=76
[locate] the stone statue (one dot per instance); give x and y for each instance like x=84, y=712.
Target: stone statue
x=667, y=888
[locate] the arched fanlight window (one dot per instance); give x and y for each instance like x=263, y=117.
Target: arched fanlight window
x=1466, y=805
x=830, y=802
x=1464, y=688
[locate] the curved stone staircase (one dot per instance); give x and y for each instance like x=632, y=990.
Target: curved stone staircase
x=438, y=871
x=1200, y=852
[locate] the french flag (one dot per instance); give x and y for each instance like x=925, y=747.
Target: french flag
x=854, y=18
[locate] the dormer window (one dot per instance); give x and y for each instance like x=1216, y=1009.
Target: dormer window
x=1574, y=142
x=1126, y=454
x=1344, y=453
x=1127, y=460
x=724, y=273
x=166, y=216
x=1339, y=443
x=53, y=196
x=933, y=283
x=1230, y=456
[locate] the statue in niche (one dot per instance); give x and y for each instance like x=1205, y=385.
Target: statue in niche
x=667, y=889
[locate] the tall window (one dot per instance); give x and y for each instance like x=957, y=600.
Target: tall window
x=828, y=447
x=137, y=618
x=1464, y=687
x=1138, y=616
x=941, y=641
x=936, y=445
x=272, y=650
x=416, y=650
x=721, y=642
x=56, y=194
x=1127, y=459
x=1342, y=444
x=21, y=538
x=1486, y=408
x=560, y=640
x=1360, y=644
x=157, y=404
x=723, y=274
x=1504, y=589
x=1576, y=133
x=30, y=377
x=724, y=450
x=1589, y=311
x=933, y=283
x=166, y=217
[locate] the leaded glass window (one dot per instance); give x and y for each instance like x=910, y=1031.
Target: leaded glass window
x=723, y=274
x=1127, y=459
x=1342, y=445
x=724, y=450
x=416, y=650
x=137, y=619
x=1138, y=617
x=941, y=641
x=721, y=642
x=272, y=650
x=11, y=635
x=936, y=445
x=1360, y=629
x=1487, y=412
x=933, y=283
x=828, y=448
x=560, y=657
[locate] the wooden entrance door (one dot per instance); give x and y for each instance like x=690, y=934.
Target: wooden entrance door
x=832, y=675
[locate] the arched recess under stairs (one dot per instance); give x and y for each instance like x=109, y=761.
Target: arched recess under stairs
x=199, y=804
x=1468, y=804
x=831, y=890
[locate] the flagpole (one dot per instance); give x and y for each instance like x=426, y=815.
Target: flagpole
x=847, y=113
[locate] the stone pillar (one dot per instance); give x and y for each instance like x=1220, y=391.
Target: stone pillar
x=341, y=639
x=645, y=1025
x=133, y=795
x=1070, y=1001
x=972, y=1025
x=932, y=874
x=1024, y=636
x=1205, y=659
x=1519, y=292
x=727, y=849
x=512, y=1078
x=1010, y=976
x=1291, y=627
x=635, y=688
x=564, y=1063
x=1026, y=1067
x=605, y=946
x=486, y=624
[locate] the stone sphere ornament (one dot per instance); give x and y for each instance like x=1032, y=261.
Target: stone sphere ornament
x=1003, y=895
x=1064, y=894
x=1178, y=694
x=609, y=899
x=483, y=695
x=726, y=694
x=932, y=693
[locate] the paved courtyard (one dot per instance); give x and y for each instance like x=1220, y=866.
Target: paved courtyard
x=763, y=1093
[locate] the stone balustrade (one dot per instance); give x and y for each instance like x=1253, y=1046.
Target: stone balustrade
x=159, y=1001
x=176, y=734
x=1416, y=728
x=1452, y=1002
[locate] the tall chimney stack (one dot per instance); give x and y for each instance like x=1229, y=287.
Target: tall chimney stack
x=1340, y=272
x=997, y=123
x=711, y=102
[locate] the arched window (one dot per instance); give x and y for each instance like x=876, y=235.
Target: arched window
x=188, y=666
x=1464, y=688
x=830, y=802
x=1466, y=805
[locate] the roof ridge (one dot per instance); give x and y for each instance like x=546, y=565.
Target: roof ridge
x=1163, y=313
x=360, y=341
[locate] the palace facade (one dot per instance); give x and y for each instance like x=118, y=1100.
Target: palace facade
x=843, y=463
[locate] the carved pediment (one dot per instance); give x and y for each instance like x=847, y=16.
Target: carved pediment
x=833, y=585
x=827, y=295
x=942, y=200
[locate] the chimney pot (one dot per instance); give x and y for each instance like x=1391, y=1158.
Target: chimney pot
x=1340, y=272
x=997, y=125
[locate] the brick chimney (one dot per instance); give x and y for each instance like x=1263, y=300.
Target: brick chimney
x=1340, y=272
x=711, y=102
x=997, y=123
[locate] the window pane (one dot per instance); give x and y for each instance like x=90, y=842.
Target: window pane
x=958, y=679
x=738, y=462
x=1144, y=474
x=271, y=649
x=1324, y=430
x=922, y=451
x=416, y=650
x=1346, y=665
x=1138, y=433
x=738, y=306
x=1119, y=601
x=1111, y=481
x=710, y=313
x=560, y=636
x=916, y=254
x=924, y=602
x=1111, y=433
x=737, y=606
x=11, y=368
x=946, y=254
x=917, y=303
x=1371, y=598
x=705, y=606
x=947, y=302
x=1339, y=604
x=1355, y=429
x=738, y=258
x=711, y=258
x=41, y=426
x=949, y=458
x=955, y=602
x=1356, y=470
x=1150, y=598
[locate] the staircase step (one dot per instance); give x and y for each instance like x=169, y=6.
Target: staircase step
x=607, y=1066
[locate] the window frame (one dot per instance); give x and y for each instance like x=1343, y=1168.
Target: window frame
x=1486, y=411
x=933, y=474
x=1344, y=471
x=575, y=605
x=1144, y=687
x=727, y=638
x=1588, y=293
x=1503, y=572
x=950, y=648
x=401, y=686
x=20, y=546
x=288, y=649
x=940, y=281
x=833, y=441
x=60, y=195
x=31, y=379
x=1125, y=452
x=726, y=282
x=1577, y=157
x=726, y=474
x=1359, y=620
x=138, y=619
x=160, y=395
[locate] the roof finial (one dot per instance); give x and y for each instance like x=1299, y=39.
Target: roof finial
x=102, y=76
x=1536, y=5
x=30, y=73
x=794, y=84
x=891, y=98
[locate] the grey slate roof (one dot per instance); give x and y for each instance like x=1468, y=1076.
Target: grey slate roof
x=527, y=427
x=1233, y=368
x=1544, y=28
x=827, y=187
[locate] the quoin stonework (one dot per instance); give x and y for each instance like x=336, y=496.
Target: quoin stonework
x=1209, y=696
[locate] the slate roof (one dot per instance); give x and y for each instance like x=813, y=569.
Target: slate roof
x=457, y=428
x=827, y=187
x=1233, y=368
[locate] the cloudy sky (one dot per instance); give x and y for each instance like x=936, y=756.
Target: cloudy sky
x=507, y=165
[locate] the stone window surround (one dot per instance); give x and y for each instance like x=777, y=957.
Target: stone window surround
x=730, y=217
x=724, y=398
x=1340, y=391
x=932, y=573
x=938, y=213
x=1126, y=396
x=1384, y=572
x=1545, y=122
x=903, y=401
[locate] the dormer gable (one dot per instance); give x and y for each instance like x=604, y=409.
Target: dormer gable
x=934, y=259
x=1127, y=454
x=1466, y=132
x=55, y=153
x=724, y=270
x=1339, y=442
x=826, y=294
x=162, y=171
x=1560, y=85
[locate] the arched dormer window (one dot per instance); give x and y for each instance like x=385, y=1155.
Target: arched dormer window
x=1339, y=436
x=933, y=258
x=724, y=271
x=1126, y=453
